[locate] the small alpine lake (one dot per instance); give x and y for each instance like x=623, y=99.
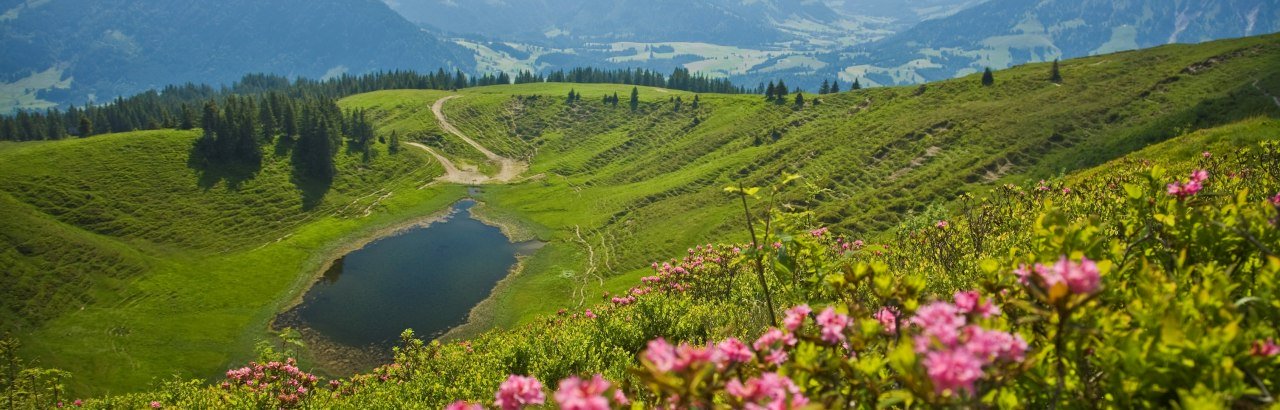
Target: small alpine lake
x=425, y=278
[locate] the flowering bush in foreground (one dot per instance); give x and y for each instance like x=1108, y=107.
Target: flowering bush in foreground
x=1118, y=293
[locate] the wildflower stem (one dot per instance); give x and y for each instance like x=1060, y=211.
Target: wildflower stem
x=1059, y=345
x=758, y=254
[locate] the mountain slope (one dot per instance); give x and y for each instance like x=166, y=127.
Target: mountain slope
x=610, y=340
x=725, y=22
x=650, y=183
x=611, y=189
x=904, y=13
x=122, y=263
x=1001, y=33
x=72, y=51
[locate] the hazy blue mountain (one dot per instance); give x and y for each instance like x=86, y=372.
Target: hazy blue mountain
x=1001, y=33
x=565, y=22
x=903, y=13
x=73, y=50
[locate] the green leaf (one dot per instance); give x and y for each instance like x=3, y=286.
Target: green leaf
x=894, y=398
x=989, y=265
x=1134, y=191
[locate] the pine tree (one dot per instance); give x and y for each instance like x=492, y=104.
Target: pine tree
x=825, y=88
x=856, y=85
x=987, y=77
x=635, y=98
x=615, y=99
x=1055, y=76
x=54, y=125
x=9, y=130
x=571, y=96
x=209, y=119
x=188, y=120
x=835, y=87
x=290, y=125
x=268, y=120
x=697, y=102
x=799, y=99
x=770, y=93
x=780, y=92
x=313, y=155
x=85, y=127
x=459, y=80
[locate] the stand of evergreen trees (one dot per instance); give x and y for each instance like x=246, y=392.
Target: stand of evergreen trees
x=314, y=128
x=179, y=106
x=680, y=79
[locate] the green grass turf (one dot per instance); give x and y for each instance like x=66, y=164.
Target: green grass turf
x=646, y=184
x=121, y=268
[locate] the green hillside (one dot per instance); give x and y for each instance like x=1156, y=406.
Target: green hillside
x=123, y=264
x=1196, y=332
x=618, y=188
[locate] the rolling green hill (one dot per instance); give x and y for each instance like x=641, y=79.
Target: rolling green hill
x=619, y=188
x=558, y=346
x=123, y=264
x=130, y=265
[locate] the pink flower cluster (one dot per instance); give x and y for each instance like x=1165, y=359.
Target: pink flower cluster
x=770, y=391
x=956, y=352
x=586, y=394
x=942, y=224
x=1186, y=189
x=795, y=317
x=971, y=302
x=667, y=358
x=289, y=384
x=775, y=342
x=1265, y=348
x=672, y=275
x=623, y=301
x=574, y=393
x=462, y=405
x=1275, y=200
x=817, y=233
x=833, y=325
x=888, y=318
x=1082, y=278
x=519, y=391
x=842, y=245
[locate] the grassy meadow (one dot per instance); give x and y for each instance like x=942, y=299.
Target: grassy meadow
x=124, y=264
x=130, y=266
x=621, y=188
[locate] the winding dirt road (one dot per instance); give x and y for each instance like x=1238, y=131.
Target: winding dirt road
x=508, y=169
x=451, y=172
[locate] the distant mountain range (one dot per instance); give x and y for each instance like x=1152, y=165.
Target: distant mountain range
x=73, y=51
x=570, y=22
x=55, y=52
x=1002, y=33
x=902, y=13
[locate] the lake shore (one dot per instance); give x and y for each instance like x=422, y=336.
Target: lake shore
x=336, y=358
